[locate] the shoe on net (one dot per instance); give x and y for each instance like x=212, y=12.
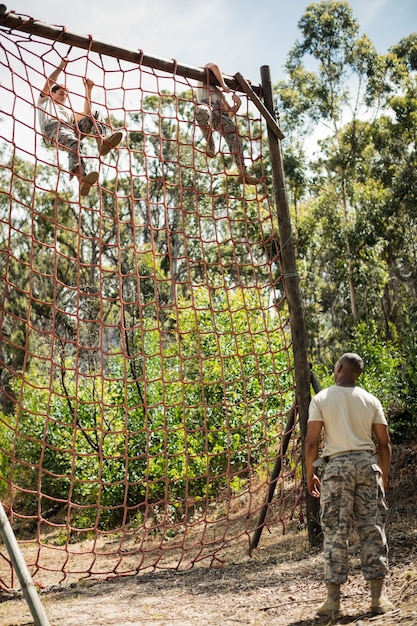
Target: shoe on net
x=87, y=182
x=108, y=143
x=248, y=180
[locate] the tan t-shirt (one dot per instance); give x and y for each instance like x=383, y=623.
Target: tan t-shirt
x=348, y=414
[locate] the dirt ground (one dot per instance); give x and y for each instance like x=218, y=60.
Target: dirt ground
x=281, y=585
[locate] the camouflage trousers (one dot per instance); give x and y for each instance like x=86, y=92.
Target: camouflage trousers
x=69, y=137
x=213, y=118
x=352, y=494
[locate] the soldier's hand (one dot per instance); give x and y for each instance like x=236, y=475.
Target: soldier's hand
x=313, y=486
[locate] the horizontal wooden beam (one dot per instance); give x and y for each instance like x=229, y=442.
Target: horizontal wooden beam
x=137, y=57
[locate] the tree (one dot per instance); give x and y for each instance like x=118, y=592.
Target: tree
x=337, y=81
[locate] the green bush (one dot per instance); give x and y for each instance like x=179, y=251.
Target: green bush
x=194, y=421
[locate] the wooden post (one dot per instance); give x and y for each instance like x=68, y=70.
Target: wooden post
x=292, y=293
x=273, y=478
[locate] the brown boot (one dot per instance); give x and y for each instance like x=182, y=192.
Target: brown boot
x=379, y=601
x=87, y=182
x=210, y=147
x=105, y=144
x=76, y=172
x=248, y=180
x=332, y=604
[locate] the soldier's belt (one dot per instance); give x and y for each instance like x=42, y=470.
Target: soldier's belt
x=323, y=460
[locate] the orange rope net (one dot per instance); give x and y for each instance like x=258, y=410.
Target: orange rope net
x=145, y=357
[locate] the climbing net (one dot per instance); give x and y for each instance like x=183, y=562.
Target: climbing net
x=145, y=356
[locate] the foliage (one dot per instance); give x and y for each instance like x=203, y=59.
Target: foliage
x=183, y=403
x=354, y=212
x=199, y=427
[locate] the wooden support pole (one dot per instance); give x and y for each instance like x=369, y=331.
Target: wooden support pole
x=286, y=438
x=292, y=293
x=271, y=121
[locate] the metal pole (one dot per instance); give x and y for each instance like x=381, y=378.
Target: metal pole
x=22, y=571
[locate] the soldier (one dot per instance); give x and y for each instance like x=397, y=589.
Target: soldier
x=215, y=113
x=354, y=480
x=61, y=125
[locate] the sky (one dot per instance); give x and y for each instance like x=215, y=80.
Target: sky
x=238, y=35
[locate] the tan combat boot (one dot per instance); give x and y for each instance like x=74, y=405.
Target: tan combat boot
x=379, y=602
x=105, y=144
x=332, y=604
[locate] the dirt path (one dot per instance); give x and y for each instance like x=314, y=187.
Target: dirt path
x=280, y=586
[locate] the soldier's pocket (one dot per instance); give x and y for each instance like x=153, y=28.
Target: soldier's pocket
x=378, y=471
x=332, y=483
